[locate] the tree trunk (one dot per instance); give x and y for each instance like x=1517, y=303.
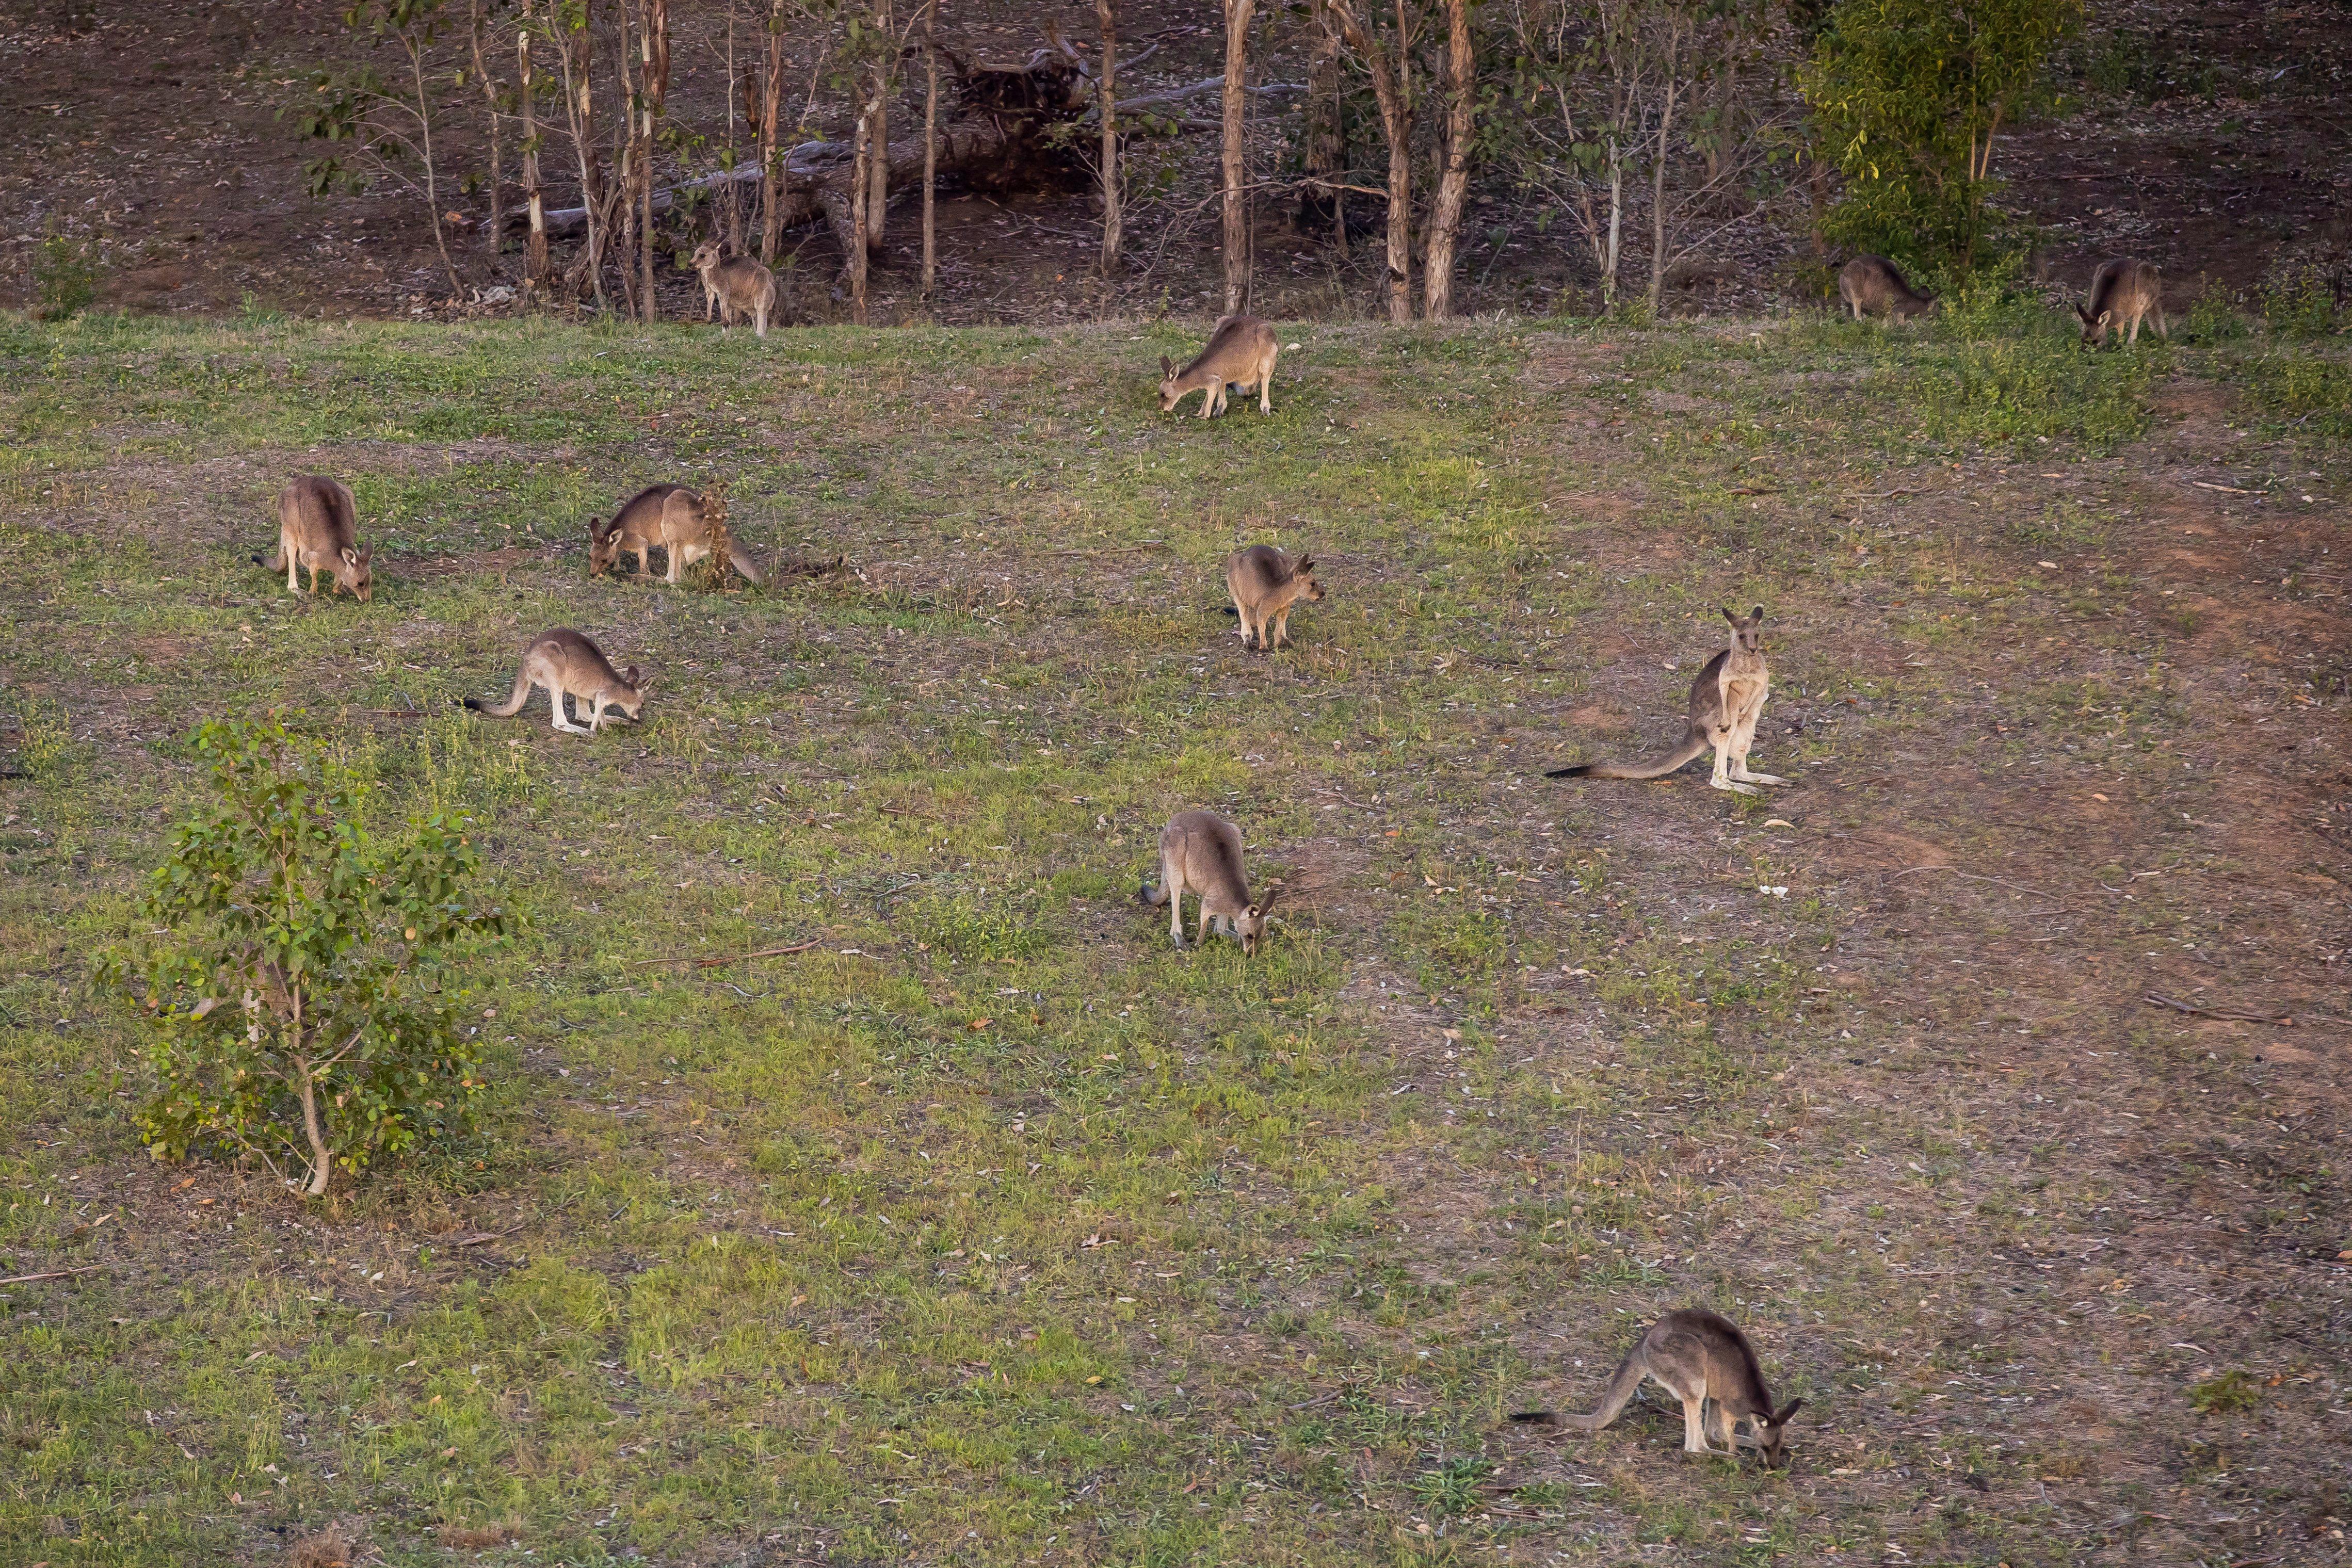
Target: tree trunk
x=886, y=65
x=535, y=258
x=734, y=191
x=861, y=189
x=1396, y=126
x=625, y=160
x=577, y=56
x=1671, y=82
x=1326, y=143
x=930, y=144
x=1108, y=97
x=322, y=1160
x=656, y=83
x=1453, y=183
x=478, y=35
x=432, y=183
x=771, y=107
x=1236, y=155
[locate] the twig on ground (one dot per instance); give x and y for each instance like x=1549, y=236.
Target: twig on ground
x=730, y=958
x=2159, y=999
x=483, y=1237
x=54, y=1274
x=1114, y=550
x=1971, y=876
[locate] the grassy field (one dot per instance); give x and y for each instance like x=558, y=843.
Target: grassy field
x=992, y=1230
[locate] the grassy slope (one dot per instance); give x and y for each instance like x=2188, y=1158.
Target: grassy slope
x=993, y=1230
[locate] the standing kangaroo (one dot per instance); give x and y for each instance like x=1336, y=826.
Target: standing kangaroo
x=1725, y=703
x=1200, y=852
x=686, y=524
x=738, y=284
x=318, y=528
x=1240, y=354
x=1264, y=584
x=2123, y=293
x=1874, y=286
x=1701, y=1359
x=565, y=661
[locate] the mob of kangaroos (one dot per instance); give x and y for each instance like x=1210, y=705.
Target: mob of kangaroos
x=1725, y=703
x=1702, y=1360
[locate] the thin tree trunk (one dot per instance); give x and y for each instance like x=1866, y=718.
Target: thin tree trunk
x=1108, y=98
x=479, y=34
x=432, y=184
x=579, y=113
x=878, y=195
x=1453, y=183
x=931, y=140
x=1236, y=153
x=1396, y=126
x=1672, y=82
x=772, y=224
x=861, y=186
x=625, y=160
x=535, y=258
x=734, y=191
x=1326, y=149
x=322, y=1159
x=655, y=43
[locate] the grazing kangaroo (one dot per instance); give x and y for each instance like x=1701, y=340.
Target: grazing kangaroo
x=565, y=661
x=1201, y=853
x=1264, y=584
x=2123, y=293
x=1702, y=1359
x=1874, y=286
x=736, y=284
x=687, y=525
x=318, y=528
x=1240, y=355
x=1725, y=703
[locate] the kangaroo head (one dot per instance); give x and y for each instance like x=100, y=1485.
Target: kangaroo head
x=355, y=572
x=1303, y=574
x=1168, y=393
x=1746, y=631
x=604, y=549
x=634, y=703
x=1771, y=1433
x=706, y=256
x=1253, y=922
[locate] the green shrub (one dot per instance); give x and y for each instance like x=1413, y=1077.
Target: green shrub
x=2232, y=1390
x=2312, y=394
x=65, y=275
x=2302, y=304
x=293, y=968
x=2215, y=317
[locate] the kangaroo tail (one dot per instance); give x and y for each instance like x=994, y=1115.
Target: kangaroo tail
x=1694, y=744
x=741, y=560
x=1629, y=1372
x=1155, y=896
x=275, y=561
x=511, y=706
x=1229, y=610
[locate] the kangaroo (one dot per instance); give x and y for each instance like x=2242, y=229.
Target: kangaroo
x=317, y=528
x=685, y=525
x=1264, y=584
x=1700, y=1358
x=1200, y=852
x=736, y=284
x=1725, y=702
x=2123, y=293
x=1240, y=354
x=565, y=661
x=1872, y=285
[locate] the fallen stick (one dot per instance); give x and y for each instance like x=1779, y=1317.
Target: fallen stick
x=1112, y=550
x=54, y=1274
x=2159, y=999
x=732, y=957
x=1971, y=876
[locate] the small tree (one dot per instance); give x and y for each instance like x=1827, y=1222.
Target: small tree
x=1908, y=97
x=293, y=969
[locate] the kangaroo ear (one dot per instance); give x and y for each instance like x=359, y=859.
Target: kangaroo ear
x=1786, y=1411
x=1306, y=564
x=1727, y=615
x=1167, y=369
x=351, y=556
x=1266, y=900
x=2104, y=317
x=630, y=676
x=2084, y=311
x=1757, y=614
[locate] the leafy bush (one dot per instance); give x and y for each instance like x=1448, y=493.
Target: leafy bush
x=65, y=275
x=2232, y=1390
x=2300, y=305
x=293, y=969
x=2215, y=317
x=2312, y=394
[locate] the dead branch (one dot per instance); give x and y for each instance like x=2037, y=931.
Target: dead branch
x=55, y=1274
x=2157, y=998
x=732, y=957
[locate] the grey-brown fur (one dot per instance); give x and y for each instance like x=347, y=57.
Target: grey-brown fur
x=1240, y=355
x=737, y=285
x=565, y=661
x=1725, y=703
x=1874, y=286
x=1201, y=853
x=1704, y=1361
x=1264, y=584
x=319, y=530
x=680, y=521
x=2124, y=292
